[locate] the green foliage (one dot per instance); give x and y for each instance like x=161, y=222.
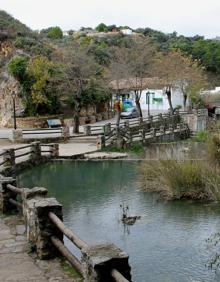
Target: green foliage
x=17, y=67
x=201, y=136
x=181, y=180
x=53, y=32
x=102, y=28
x=43, y=73
x=33, y=46
x=213, y=145
x=136, y=148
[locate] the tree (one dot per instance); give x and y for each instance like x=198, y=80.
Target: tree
x=39, y=79
x=53, y=32
x=179, y=71
x=102, y=28
x=118, y=76
x=81, y=72
x=140, y=64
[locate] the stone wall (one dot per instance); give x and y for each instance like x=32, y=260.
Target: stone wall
x=196, y=120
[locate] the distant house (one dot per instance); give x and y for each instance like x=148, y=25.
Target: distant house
x=126, y=31
x=152, y=93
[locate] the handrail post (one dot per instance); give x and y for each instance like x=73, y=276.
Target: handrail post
x=40, y=229
x=35, y=151
x=100, y=142
x=9, y=158
x=140, y=120
x=142, y=135
x=106, y=128
x=87, y=130
x=65, y=132
x=100, y=260
x=6, y=194
x=55, y=150
x=153, y=132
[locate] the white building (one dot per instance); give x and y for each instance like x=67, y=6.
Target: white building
x=158, y=99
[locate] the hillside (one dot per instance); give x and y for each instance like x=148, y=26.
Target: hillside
x=12, y=27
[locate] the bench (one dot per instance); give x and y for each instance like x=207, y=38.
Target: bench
x=54, y=123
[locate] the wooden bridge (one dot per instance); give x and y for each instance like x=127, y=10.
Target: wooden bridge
x=162, y=127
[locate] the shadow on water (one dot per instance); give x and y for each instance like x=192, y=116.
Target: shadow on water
x=168, y=243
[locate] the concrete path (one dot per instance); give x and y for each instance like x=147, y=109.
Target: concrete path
x=15, y=263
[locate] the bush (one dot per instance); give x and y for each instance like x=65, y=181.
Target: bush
x=55, y=33
x=181, y=180
x=201, y=136
x=213, y=147
x=17, y=67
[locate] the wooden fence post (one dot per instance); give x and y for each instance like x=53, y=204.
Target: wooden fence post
x=100, y=142
x=142, y=135
x=35, y=151
x=100, y=260
x=55, y=150
x=153, y=132
x=65, y=132
x=9, y=158
x=40, y=228
x=106, y=128
x=6, y=194
x=87, y=130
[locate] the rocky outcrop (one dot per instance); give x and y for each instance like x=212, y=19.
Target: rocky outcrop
x=7, y=85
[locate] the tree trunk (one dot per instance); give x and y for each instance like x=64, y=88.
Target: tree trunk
x=168, y=92
x=137, y=102
x=76, y=120
x=119, y=113
x=184, y=101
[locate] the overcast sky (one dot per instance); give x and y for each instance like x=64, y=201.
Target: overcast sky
x=187, y=17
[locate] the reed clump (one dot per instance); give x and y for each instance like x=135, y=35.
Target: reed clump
x=181, y=179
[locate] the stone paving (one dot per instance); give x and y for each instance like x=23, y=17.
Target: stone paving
x=16, y=265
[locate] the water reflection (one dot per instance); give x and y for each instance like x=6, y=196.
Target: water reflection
x=166, y=244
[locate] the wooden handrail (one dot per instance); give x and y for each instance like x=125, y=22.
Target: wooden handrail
x=15, y=203
x=67, y=232
x=23, y=147
x=3, y=153
x=42, y=129
x=67, y=254
x=14, y=189
x=118, y=276
x=22, y=155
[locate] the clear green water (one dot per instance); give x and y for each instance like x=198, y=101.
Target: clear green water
x=168, y=243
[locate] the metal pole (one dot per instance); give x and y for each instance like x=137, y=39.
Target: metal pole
x=15, y=125
x=148, y=103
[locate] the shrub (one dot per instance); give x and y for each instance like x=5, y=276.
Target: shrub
x=55, y=33
x=213, y=147
x=17, y=67
x=181, y=180
x=201, y=136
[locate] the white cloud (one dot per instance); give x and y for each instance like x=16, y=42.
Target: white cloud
x=187, y=17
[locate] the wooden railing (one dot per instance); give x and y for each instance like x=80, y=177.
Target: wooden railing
x=34, y=151
x=137, y=123
x=9, y=194
x=37, y=131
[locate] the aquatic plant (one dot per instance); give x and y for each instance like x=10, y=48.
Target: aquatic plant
x=181, y=180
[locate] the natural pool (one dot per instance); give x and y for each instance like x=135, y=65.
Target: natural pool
x=168, y=243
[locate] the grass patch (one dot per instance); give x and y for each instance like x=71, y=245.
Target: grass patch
x=135, y=148
x=70, y=270
x=181, y=180
x=201, y=136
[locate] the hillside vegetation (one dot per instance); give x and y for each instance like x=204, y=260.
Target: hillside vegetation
x=13, y=27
